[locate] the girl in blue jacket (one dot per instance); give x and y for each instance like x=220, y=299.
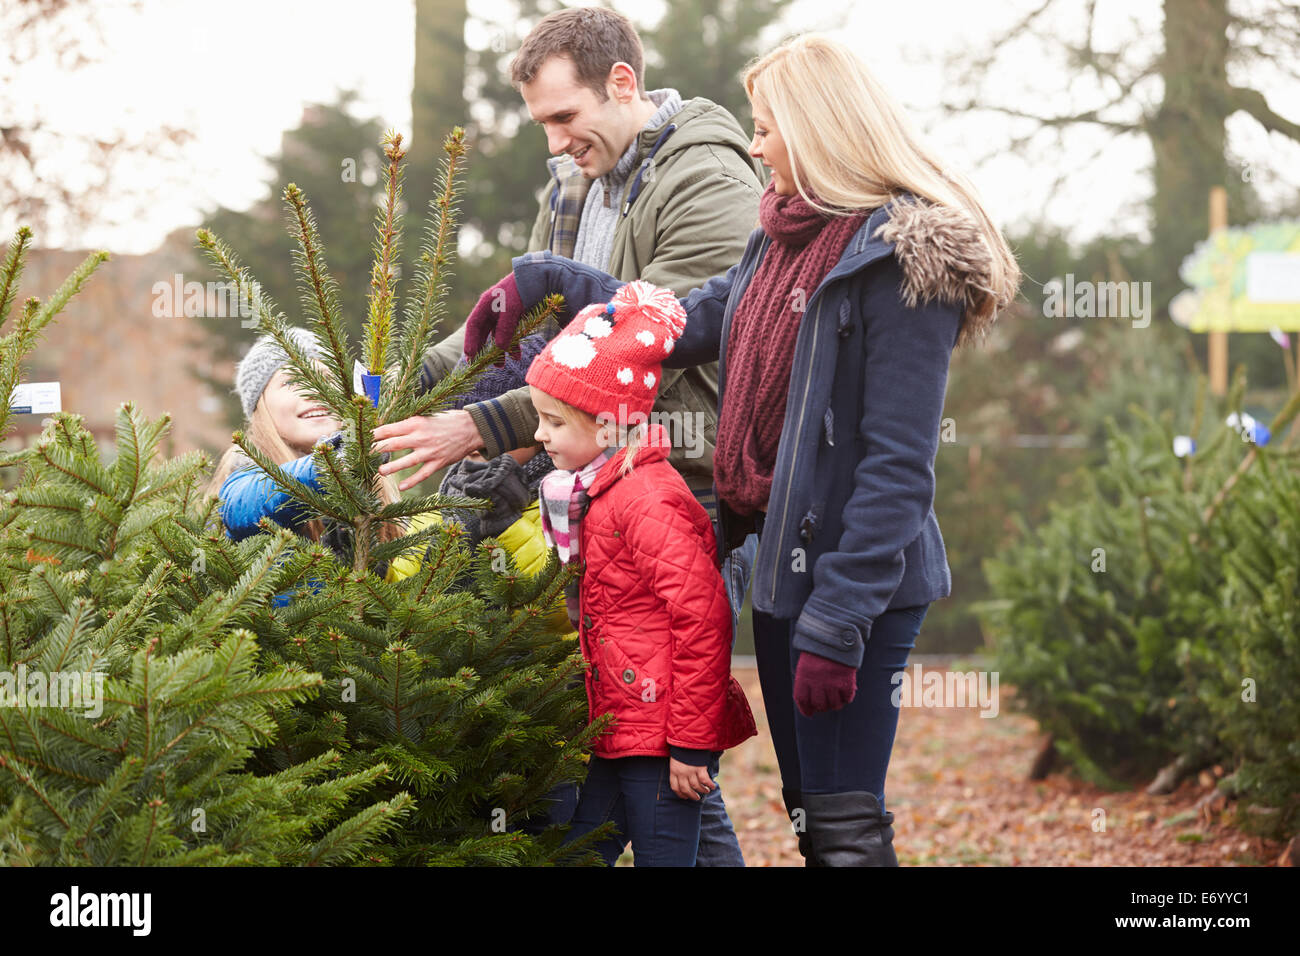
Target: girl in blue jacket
x=285, y=425
x=833, y=335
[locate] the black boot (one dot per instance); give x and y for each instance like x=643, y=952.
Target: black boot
x=794, y=805
x=849, y=829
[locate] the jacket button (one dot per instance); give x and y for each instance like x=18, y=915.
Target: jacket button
x=629, y=675
x=845, y=325
x=617, y=534
x=586, y=620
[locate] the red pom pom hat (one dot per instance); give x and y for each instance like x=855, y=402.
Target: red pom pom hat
x=608, y=360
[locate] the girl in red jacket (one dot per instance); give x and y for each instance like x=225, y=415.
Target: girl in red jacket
x=650, y=608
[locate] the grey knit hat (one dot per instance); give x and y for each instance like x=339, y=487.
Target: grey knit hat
x=263, y=360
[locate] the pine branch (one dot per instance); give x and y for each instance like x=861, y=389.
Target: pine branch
x=319, y=290
x=34, y=317
x=302, y=373
x=129, y=452
x=281, y=686
x=30, y=784
x=114, y=790
x=254, y=586
x=86, y=473
x=409, y=545
x=313, y=500
x=1280, y=421
x=51, y=591
x=49, y=498
x=11, y=272
x=177, y=474
x=272, y=322
x=71, y=286
x=383, y=284
x=548, y=310
x=128, y=618
x=424, y=504
x=69, y=637
x=334, y=475
x=437, y=251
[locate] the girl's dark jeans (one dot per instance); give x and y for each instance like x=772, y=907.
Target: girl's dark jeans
x=633, y=792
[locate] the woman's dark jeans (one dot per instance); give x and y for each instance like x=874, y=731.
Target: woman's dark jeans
x=840, y=750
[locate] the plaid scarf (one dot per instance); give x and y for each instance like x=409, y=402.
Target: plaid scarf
x=568, y=201
x=562, y=497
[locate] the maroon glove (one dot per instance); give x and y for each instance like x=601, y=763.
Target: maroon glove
x=821, y=685
x=497, y=313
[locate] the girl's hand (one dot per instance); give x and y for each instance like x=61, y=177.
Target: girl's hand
x=689, y=782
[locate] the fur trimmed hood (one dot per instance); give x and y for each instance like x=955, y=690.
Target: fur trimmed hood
x=943, y=255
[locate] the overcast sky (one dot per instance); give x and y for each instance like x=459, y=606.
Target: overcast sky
x=229, y=73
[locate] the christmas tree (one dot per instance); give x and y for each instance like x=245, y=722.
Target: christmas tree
x=418, y=722
x=1151, y=624
x=454, y=677
x=131, y=693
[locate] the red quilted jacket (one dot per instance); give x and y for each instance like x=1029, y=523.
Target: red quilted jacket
x=655, y=624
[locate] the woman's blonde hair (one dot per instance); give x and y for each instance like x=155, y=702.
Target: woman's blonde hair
x=262, y=433
x=853, y=148
x=631, y=438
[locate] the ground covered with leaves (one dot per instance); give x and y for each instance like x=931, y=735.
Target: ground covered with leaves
x=959, y=790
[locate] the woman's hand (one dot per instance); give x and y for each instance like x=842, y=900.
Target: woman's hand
x=689, y=782
x=821, y=684
x=497, y=315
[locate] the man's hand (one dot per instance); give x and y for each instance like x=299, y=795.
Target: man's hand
x=435, y=442
x=688, y=782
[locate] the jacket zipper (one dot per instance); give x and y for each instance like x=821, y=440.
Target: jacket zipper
x=794, y=454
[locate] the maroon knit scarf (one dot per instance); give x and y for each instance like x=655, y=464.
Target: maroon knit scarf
x=806, y=244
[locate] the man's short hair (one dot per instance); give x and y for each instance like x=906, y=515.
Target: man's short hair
x=593, y=38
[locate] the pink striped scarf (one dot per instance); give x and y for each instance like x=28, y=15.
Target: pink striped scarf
x=562, y=498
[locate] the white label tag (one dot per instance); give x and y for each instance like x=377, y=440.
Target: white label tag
x=36, y=398
x=1273, y=277
x=357, y=371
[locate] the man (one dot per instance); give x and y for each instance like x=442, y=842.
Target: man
x=643, y=185
x=682, y=220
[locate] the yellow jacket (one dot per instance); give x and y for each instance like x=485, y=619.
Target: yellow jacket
x=523, y=540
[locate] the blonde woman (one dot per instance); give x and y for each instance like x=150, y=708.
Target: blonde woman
x=872, y=262
x=285, y=425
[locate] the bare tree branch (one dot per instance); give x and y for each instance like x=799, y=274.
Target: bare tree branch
x=1092, y=116
x=1253, y=103
x=983, y=63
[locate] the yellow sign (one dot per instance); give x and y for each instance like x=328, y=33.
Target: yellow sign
x=1243, y=280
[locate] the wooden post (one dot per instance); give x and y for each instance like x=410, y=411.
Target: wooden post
x=1218, y=344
